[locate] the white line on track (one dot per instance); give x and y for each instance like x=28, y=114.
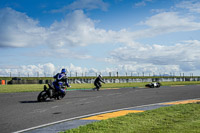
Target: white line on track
x=89, y=102
x=54, y=107
x=85, y=99
x=68, y=102
x=83, y=116
x=98, y=96
x=38, y=111
x=114, y=94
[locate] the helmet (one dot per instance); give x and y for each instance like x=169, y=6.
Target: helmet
x=63, y=70
x=100, y=76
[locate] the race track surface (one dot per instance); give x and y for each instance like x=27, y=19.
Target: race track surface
x=21, y=110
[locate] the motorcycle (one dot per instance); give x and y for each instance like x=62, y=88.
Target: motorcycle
x=153, y=85
x=49, y=92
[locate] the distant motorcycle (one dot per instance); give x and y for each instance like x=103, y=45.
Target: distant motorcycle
x=153, y=85
x=49, y=92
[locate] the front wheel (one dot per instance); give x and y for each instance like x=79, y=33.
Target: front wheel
x=42, y=96
x=61, y=96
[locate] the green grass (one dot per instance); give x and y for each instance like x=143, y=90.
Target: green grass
x=173, y=119
x=180, y=83
x=20, y=88
x=39, y=87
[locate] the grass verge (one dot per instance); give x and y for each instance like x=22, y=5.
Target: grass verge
x=183, y=118
x=39, y=87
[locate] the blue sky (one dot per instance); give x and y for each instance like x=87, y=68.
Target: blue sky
x=99, y=36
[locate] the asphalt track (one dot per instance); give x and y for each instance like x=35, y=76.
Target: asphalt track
x=21, y=110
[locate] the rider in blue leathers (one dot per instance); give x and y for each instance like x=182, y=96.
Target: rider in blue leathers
x=60, y=81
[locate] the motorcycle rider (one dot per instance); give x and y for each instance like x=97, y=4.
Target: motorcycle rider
x=60, y=80
x=97, y=82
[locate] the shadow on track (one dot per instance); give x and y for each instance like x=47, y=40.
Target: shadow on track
x=35, y=101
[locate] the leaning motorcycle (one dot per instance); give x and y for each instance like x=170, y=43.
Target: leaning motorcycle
x=49, y=92
x=153, y=85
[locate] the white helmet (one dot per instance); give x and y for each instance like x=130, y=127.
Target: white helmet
x=100, y=76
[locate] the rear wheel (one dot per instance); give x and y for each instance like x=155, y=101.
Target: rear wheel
x=42, y=96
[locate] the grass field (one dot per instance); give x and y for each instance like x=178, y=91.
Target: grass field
x=39, y=87
x=174, y=119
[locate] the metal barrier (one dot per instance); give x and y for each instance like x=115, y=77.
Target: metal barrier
x=107, y=80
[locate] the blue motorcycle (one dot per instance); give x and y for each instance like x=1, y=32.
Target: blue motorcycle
x=50, y=93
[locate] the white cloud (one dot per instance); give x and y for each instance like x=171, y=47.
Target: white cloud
x=70, y=54
x=180, y=57
x=28, y=70
x=84, y=4
x=142, y=3
x=147, y=69
x=63, y=53
x=47, y=69
x=19, y=30
x=79, y=30
x=192, y=5
x=50, y=70
x=76, y=29
x=167, y=22
x=135, y=59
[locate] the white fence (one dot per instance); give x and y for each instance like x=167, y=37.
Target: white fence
x=108, y=80
x=132, y=80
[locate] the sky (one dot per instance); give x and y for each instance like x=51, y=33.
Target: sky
x=89, y=37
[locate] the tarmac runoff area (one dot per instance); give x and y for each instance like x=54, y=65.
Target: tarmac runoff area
x=83, y=120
